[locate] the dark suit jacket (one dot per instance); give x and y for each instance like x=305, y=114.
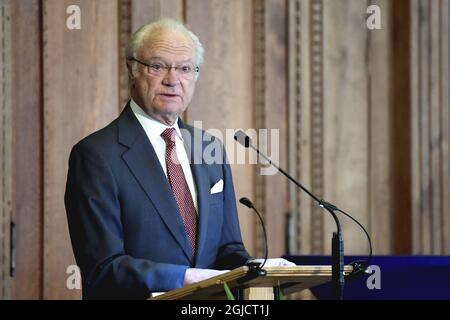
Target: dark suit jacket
x=126, y=230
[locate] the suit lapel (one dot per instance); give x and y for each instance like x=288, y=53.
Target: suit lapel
x=193, y=145
x=143, y=162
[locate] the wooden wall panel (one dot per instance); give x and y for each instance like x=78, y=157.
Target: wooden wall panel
x=124, y=33
x=415, y=164
x=259, y=112
x=223, y=97
x=444, y=86
x=294, y=20
x=299, y=54
x=6, y=147
x=424, y=129
x=430, y=125
x=339, y=109
x=379, y=53
x=346, y=118
x=401, y=130
x=145, y=11
x=80, y=96
x=275, y=117
x=270, y=114
x=27, y=154
x=306, y=112
x=316, y=126
x=435, y=129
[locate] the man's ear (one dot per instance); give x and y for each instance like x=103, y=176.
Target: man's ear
x=130, y=70
x=130, y=74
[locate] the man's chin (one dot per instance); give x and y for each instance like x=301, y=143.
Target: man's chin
x=170, y=113
x=174, y=110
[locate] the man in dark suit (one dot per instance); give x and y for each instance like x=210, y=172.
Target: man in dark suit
x=144, y=216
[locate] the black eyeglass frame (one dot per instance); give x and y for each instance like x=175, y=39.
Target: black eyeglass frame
x=196, y=68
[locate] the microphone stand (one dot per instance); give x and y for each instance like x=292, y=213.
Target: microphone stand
x=256, y=268
x=337, y=241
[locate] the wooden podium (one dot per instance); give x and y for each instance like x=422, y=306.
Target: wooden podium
x=253, y=287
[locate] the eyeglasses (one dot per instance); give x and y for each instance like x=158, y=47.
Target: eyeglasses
x=185, y=70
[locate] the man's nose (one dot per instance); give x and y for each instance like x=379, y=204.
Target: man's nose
x=171, y=77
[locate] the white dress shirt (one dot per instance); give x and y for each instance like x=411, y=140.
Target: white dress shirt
x=153, y=129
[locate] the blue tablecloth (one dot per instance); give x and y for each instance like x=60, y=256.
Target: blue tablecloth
x=401, y=278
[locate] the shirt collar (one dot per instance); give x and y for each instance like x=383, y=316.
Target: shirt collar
x=152, y=126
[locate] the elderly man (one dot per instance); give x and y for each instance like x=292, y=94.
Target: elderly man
x=142, y=216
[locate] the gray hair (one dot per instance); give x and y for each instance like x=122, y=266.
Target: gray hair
x=137, y=38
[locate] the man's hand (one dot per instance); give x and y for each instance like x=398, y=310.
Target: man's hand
x=275, y=262
x=195, y=275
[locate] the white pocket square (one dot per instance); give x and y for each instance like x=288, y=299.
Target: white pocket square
x=218, y=187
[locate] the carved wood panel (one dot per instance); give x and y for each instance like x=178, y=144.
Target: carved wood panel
x=339, y=102
x=430, y=126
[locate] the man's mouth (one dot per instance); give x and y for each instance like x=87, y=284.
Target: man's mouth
x=169, y=95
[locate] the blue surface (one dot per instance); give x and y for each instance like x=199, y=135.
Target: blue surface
x=401, y=278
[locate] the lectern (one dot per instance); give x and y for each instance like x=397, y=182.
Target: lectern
x=253, y=286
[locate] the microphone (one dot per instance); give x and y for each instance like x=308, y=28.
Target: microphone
x=337, y=243
x=242, y=138
x=246, y=202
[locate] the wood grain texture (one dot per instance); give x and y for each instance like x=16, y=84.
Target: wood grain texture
x=296, y=278
x=424, y=129
x=444, y=85
x=430, y=128
x=276, y=110
x=295, y=33
x=145, y=11
x=6, y=147
x=304, y=145
x=339, y=96
x=124, y=33
x=305, y=151
x=223, y=97
x=260, y=114
x=270, y=114
x=339, y=116
x=80, y=96
x=346, y=118
x=261, y=293
x=401, y=130
x=316, y=126
x=27, y=149
x=415, y=136
x=380, y=103
x=435, y=130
